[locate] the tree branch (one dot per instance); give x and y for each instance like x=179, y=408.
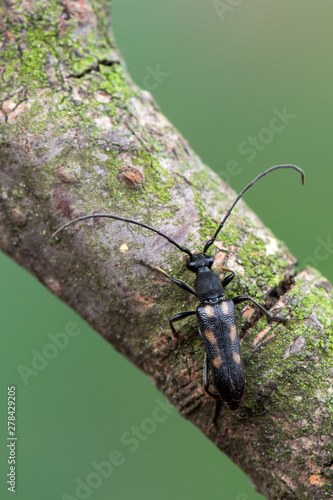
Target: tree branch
x=78, y=137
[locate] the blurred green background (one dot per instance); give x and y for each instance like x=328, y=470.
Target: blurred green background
x=220, y=71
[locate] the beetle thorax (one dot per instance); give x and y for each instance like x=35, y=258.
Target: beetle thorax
x=208, y=286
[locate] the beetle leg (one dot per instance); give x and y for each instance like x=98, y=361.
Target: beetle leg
x=229, y=278
x=181, y=284
x=178, y=317
x=206, y=380
x=212, y=395
x=205, y=375
x=241, y=298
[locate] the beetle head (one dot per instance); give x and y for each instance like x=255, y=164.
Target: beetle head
x=199, y=260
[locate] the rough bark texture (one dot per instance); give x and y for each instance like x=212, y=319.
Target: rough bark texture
x=77, y=136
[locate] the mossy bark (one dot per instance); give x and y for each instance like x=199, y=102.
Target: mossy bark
x=77, y=137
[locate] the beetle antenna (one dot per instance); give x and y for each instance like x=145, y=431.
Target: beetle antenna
x=131, y=221
x=210, y=242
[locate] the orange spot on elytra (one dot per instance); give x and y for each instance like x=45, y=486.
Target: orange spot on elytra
x=209, y=310
x=210, y=336
x=233, y=332
x=217, y=362
x=224, y=307
x=236, y=357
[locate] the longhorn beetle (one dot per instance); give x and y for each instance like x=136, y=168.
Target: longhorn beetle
x=215, y=314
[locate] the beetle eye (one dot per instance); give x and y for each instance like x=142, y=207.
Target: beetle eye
x=190, y=265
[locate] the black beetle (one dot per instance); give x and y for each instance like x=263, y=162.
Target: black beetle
x=215, y=314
